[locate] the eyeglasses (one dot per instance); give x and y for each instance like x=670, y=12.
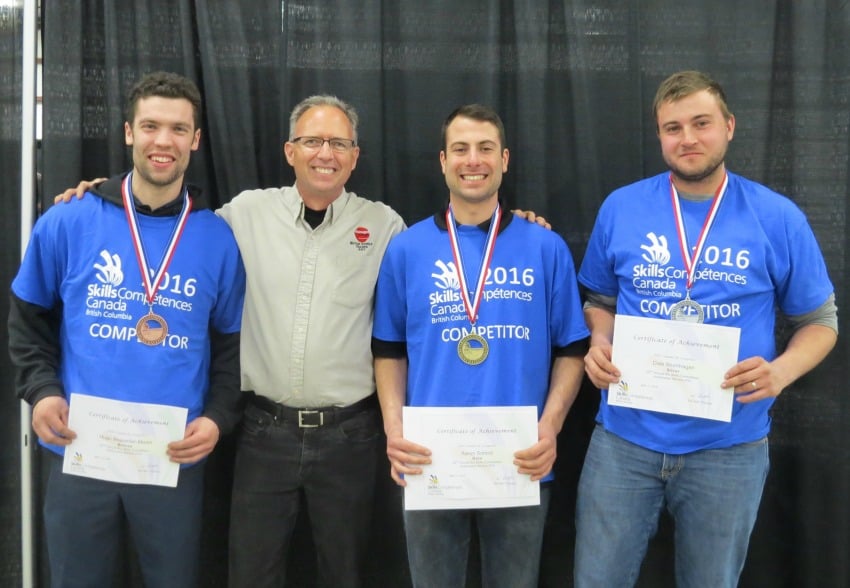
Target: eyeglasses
x=316, y=143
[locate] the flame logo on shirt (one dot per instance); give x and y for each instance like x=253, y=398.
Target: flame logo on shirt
x=109, y=272
x=447, y=278
x=657, y=252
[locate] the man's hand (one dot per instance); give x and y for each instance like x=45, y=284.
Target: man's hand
x=405, y=457
x=754, y=379
x=531, y=217
x=198, y=442
x=539, y=459
x=598, y=366
x=50, y=421
x=79, y=191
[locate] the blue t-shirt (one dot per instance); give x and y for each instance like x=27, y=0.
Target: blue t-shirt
x=81, y=257
x=760, y=255
x=530, y=305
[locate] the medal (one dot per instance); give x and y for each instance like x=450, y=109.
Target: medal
x=690, y=310
x=152, y=328
x=151, y=334
x=687, y=310
x=473, y=348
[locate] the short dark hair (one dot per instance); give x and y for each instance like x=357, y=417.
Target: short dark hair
x=477, y=112
x=684, y=83
x=165, y=85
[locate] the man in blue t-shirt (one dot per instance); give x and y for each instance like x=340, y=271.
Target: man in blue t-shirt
x=700, y=244
x=134, y=295
x=474, y=310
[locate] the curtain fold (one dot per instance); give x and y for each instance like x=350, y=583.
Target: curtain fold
x=94, y=51
x=11, y=79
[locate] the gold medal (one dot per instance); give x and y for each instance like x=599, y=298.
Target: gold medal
x=151, y=334
x=473, y=349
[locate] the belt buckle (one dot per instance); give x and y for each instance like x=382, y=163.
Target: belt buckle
x=310, y=425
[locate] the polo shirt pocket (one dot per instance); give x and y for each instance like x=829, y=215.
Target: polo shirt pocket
x=355, y=275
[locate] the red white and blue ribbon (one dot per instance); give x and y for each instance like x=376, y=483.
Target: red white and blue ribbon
x=691, y=259
x=152, y=282
x=471, y=305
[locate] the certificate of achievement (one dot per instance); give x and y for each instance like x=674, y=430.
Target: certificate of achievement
x=673, y=366
x=123, y=441
x=472, y=453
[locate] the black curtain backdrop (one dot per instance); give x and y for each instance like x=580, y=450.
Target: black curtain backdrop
x=11, y=47
x=573, y=81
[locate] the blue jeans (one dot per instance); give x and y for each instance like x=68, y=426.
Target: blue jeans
x=712, y=495
x=84, y=522
x=510, y=540
x=281, y=468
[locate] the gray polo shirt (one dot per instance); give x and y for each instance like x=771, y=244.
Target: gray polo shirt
x=307, y=322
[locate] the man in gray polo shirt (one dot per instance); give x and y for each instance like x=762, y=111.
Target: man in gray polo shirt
x=312, y=425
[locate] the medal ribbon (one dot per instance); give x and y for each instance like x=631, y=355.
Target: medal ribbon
x=471, y=307
x=152, y=284
x=691, y=261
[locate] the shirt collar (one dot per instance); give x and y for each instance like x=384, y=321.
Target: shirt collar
x=507, y=217
x=333, y=211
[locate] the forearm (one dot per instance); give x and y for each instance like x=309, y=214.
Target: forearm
x=224, y=400
x=391, y=381
x=808, y=346
x=601, y=324
x=34, y=350
x=564, y=385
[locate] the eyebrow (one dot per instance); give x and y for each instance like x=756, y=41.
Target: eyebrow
x=158, y=121
x=693, y=118
x=484, y=142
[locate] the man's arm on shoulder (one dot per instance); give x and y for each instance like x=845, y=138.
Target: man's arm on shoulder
x=532, y=217
x=79, y=191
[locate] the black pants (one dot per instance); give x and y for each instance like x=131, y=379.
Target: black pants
x=333, y=465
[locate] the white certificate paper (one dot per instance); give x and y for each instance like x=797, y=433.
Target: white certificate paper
x=123, y=441
x=472, y=452
x=673, y=366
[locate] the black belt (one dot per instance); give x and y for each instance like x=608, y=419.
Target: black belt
x=313, y=417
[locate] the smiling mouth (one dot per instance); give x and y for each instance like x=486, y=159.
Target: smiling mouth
x=473, y=177
x=324, y=170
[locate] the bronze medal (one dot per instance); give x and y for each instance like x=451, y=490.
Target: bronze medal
x=473, y=349
x=151, y=329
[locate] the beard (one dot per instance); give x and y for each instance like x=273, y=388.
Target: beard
x=699, y=174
